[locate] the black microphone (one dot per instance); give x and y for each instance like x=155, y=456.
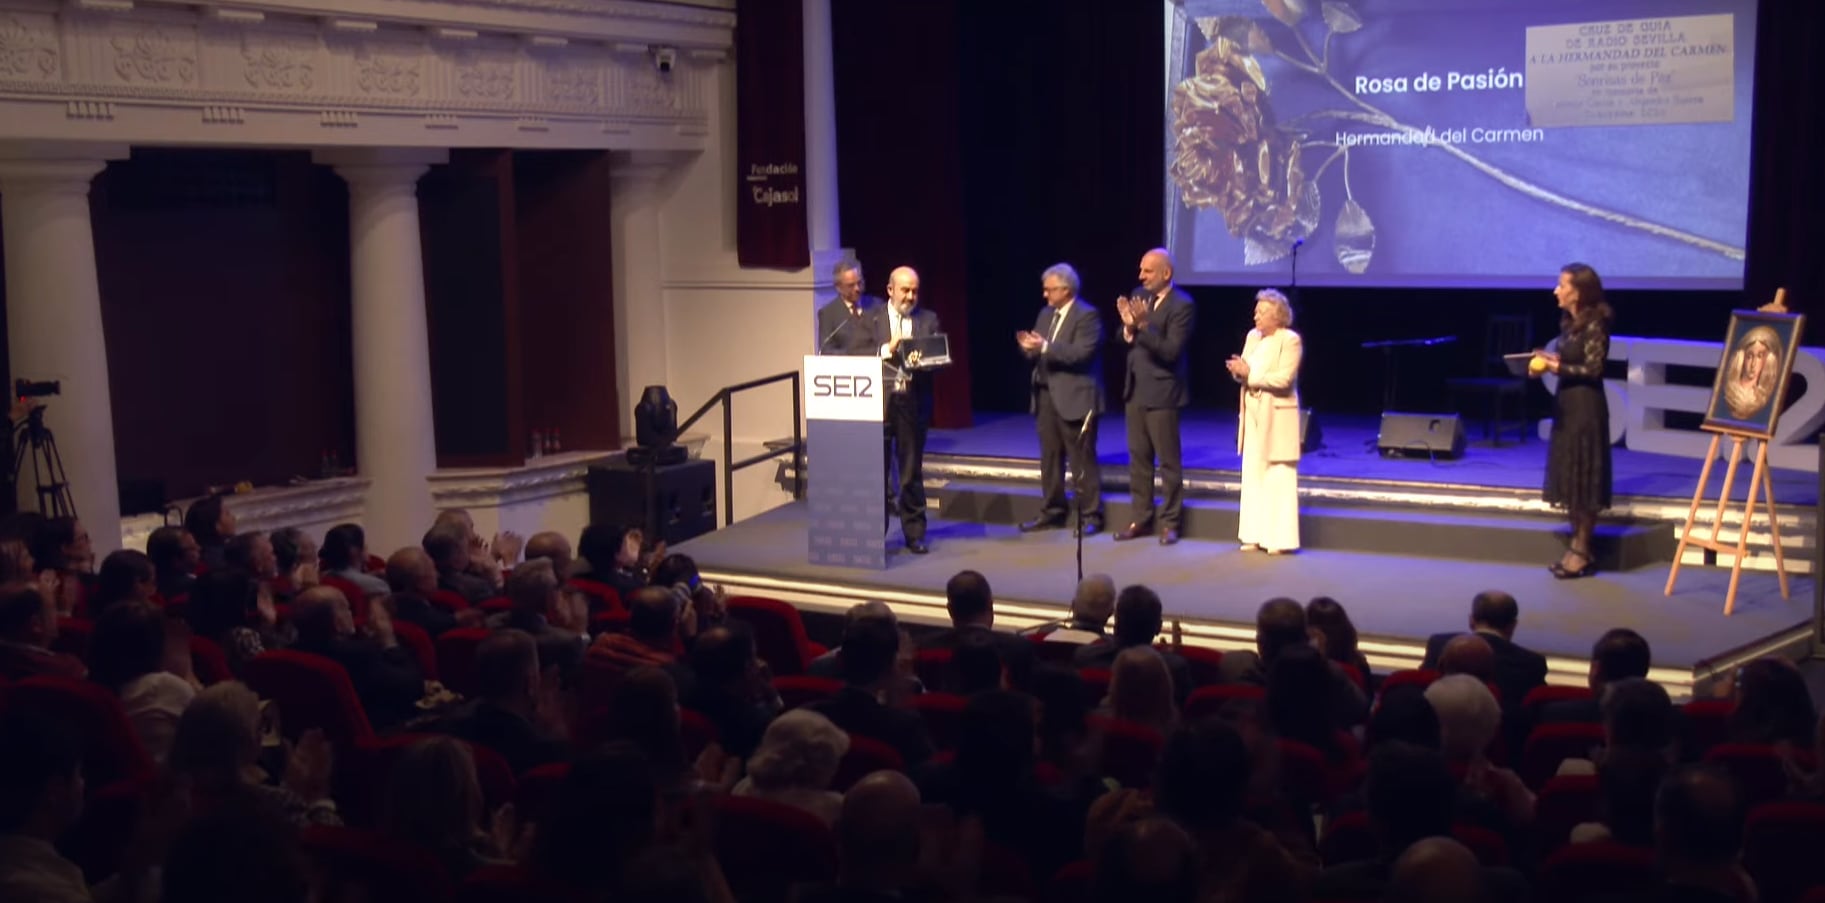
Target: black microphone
x=833, y=332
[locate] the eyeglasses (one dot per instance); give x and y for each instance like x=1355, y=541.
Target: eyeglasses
x=1048, y=289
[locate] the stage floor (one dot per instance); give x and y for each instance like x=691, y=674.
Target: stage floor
x=1399, y=599
x=1349, y=453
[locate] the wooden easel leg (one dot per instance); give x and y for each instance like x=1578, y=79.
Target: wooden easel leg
x=1723, y=498
x=1742, y=536
x=1698, y=497
x=1774, y=524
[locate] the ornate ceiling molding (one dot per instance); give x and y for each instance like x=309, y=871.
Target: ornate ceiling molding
x=318, y=74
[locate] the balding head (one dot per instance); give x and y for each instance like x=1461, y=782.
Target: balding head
x=322, y=613
x=1156, y=270
x=903, y=289
x=878, y=831
x=1469, y=654
x=1436, y=870
x=410, y=570
x=1094, y=602
x=552, y=547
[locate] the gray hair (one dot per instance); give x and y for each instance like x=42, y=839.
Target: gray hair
x=531, y=584
x=1282, y=307
x=219, y=732
x=1065, y=273
x=844, y=266
x=800, y=749
x=1095, y=598
x=1468, y=714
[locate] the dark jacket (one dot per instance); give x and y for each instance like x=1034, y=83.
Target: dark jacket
x=840, y=333
x=1071, y=367
x=856, y=711
x=1157, y=368
x=919, y=382
x=387, y=680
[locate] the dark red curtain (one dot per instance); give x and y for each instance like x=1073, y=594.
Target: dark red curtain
x=770, y=228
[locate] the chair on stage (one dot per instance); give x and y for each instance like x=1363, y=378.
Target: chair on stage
x=1506, y=393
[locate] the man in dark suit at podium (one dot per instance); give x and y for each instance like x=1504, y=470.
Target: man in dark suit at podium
x=1066, y=400
x=845, y=326
x=1157, y=319
x=909, y=399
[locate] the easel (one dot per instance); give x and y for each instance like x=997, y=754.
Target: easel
x=1761, y=484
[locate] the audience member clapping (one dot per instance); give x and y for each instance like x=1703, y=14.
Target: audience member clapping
x=1138, y=618
x=732, y=688
x=434, y=800
x=1469, y=720
x=518, y=713
x=871, y=649
x=558, y=621
x=385, y=674
x=412, y=579
x=233, y=609
x=218, y=747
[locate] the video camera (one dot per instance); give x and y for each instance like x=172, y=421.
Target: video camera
x=25, y=388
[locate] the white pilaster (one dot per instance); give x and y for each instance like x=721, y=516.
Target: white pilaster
x=639, y=190
x=825, y=224
x=395, y=439
x=53, y=319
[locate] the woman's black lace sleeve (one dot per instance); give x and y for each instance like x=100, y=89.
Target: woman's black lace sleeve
x=1594, y=344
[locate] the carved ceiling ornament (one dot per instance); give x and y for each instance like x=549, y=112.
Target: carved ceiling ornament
x=378, y=72
x=485, y=79
x=645, y=90
x=573, y=83
x=27, y=51
x=151, y=53
x=278, y=63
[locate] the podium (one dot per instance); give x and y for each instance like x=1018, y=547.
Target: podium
x=847, y=473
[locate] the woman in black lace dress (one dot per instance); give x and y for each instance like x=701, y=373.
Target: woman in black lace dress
x=1578, y=462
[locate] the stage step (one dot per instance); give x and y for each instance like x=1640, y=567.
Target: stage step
x=1439, y=531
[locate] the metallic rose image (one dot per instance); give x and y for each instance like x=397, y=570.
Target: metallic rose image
x=1753, y=373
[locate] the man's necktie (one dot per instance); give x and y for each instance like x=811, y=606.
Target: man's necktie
x=1058, y=322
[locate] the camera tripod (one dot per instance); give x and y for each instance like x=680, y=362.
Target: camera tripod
x=33, y=438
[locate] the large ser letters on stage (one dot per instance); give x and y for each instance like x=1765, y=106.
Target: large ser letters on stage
x=770, y=225
x=845, y=461
x=1639, y=405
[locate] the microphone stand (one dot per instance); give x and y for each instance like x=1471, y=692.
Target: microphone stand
x=1077, y=496
x=1293, y=289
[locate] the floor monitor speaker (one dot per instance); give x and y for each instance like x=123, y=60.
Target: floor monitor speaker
x=1420, y=435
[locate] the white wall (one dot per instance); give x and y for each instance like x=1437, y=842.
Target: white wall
x=723, y=324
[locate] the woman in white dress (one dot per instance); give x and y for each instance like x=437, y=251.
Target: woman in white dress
x=1268, y=430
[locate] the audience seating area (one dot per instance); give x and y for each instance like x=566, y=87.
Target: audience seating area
x=583, y=731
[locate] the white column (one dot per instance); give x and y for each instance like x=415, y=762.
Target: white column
x=395, y=438
x=826, y=228
x=53, y=322
x=638, y=186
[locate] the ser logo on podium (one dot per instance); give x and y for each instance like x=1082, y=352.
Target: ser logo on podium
x=841, y=387
x=826, y=385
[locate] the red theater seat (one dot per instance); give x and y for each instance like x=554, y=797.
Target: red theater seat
x=456, y=658
x=866, y=756
x=1781, y=849
x=779, y=633
x=311, y=692
x=1206, y=701
x=765, y=848
x=602, y=597
x=801, y=690
x=943, y=717
x=1131, y=752
x=111, y=751
x=1551, y=744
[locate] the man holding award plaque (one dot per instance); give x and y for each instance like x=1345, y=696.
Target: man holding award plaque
x=912, y=347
